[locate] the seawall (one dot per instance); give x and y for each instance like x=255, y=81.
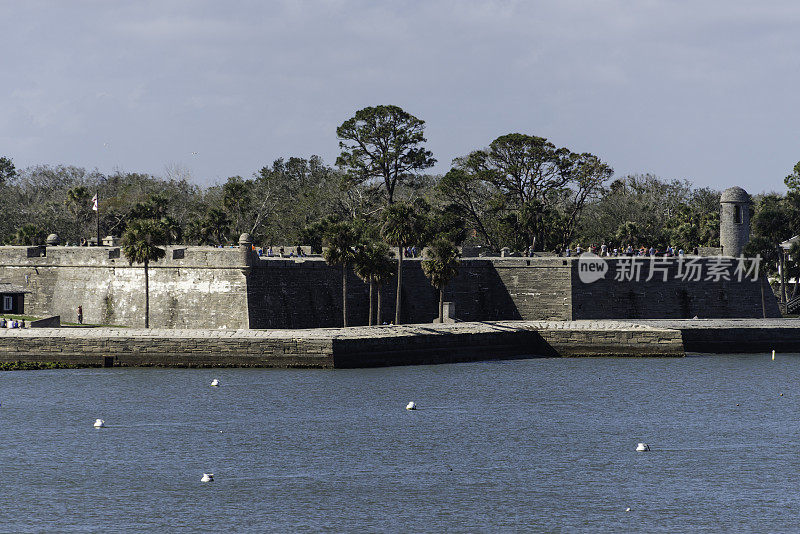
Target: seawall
x=336, y=347
x=396, y=345
x=735, y=335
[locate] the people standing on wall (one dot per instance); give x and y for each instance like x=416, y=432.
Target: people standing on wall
x=80, y=314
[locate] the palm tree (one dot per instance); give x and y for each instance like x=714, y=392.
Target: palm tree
x=341, y=240
x=29, y=234
x=172, y=230
x=372, y=261
x=403, y=226
x=217, y=225
x=140, y=244
x=384, y=271
x=441, y=266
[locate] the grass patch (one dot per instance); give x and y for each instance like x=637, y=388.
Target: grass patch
x=26, y=318
x=94, y=325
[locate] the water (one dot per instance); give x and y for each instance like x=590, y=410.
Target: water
x=527, y=445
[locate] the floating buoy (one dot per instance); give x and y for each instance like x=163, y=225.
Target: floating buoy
x=773, y=354
x=207, y=477
x=411, y=406
x=781, y=394
x=99, y=423
x=642, y=447
x=215, y=383
x=627, y=509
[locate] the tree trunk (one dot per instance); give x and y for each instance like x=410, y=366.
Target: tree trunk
x=371, y=299
x=344, y=294
x=146, y=297
x=378, y=318
x=441, y=305
x=399, y=284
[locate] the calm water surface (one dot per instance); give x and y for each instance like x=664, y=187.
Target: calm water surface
x=529, y=445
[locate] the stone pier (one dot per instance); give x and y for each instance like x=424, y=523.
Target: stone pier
x=337, y=347
x=395, y=345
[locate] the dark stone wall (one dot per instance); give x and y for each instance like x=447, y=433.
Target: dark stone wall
x=308, y=294
x=608, y=298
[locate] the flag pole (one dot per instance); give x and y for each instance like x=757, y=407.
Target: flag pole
x=97, y=209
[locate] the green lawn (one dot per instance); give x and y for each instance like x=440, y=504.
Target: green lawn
x=27, y=318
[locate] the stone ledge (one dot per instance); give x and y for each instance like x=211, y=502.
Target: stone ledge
x=339, y=347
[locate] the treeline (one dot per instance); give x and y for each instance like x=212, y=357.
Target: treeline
x=520, y=191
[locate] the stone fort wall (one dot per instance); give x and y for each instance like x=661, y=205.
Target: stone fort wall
x=710, y=288
x=205, y=287
x=198, y=287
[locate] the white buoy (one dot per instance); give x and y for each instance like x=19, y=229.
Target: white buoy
x=99, y=423
x=207, y=477
x=215, y=383
x=411, y=406
x=773, y=354
x=627, y=509
x=642, y=447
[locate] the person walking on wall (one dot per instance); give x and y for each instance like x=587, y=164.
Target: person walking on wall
x=80, y=314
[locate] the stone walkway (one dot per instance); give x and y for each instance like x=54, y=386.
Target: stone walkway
x=720, y=323
x=358, y=332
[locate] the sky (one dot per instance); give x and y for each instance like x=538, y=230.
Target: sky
x=705, y=91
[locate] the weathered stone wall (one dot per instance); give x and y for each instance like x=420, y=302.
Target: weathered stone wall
x=674, y=298
x=308, y=293
x=163, y=348
x=197, y=287
x=735, y=335
x=204, y=287
x=341, y=348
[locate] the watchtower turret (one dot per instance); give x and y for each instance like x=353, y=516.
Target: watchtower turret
x=734, y=220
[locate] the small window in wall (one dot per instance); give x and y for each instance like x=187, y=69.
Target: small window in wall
x=737, y=214
x=8, y=303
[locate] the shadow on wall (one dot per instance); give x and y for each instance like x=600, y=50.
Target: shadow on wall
x=675, y=298
x=309, y=295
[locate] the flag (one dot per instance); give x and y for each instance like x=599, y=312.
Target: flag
x=94, y=203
